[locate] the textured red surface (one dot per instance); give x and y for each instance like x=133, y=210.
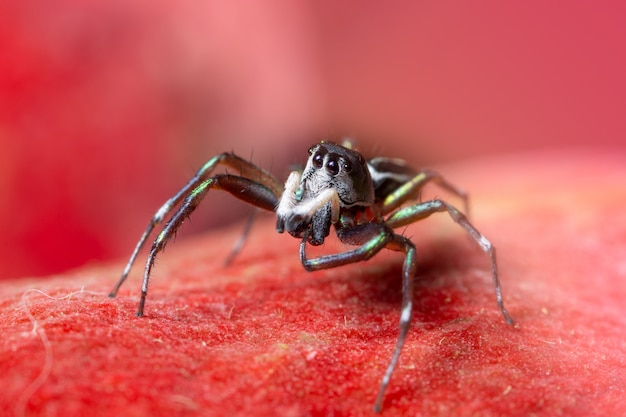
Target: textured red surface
x=263, y=337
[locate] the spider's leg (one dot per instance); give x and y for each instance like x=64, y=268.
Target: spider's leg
x=400, y=243
x=372, y=237
x=242, y=188
x=410, y=190
x=229, y=160
x=238, y=246
x=155, y=221
x=420, y=211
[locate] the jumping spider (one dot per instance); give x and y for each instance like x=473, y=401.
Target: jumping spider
x=364, y=199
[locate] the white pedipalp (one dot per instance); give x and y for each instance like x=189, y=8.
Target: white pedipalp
x=288, y=200
x=308, y=207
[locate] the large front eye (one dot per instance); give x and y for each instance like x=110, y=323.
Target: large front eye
x=318, y=160
x=332, y=166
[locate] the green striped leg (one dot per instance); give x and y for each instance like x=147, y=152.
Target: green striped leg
x=411, y=189
x=242, y=188
x=373, y=237
x=411, y=214
x=194, y=190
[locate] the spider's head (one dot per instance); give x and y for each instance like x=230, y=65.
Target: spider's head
x=335, y=166
x=306, y=207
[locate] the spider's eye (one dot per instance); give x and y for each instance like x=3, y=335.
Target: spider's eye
x=332, y=166
x=318, y=160
x=347, y=166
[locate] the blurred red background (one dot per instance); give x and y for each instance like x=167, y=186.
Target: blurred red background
x=107, y=107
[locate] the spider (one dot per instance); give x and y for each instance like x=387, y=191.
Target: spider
x=365, y=200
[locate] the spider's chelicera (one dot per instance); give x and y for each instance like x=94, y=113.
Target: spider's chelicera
x=365, y=200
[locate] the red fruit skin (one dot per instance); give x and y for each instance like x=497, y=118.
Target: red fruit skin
x=263, y=337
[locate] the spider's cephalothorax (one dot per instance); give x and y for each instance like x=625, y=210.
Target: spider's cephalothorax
x=334, y=178
x=364, y=200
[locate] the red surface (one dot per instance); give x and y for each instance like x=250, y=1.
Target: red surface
x=108, y=106
x=263, y=337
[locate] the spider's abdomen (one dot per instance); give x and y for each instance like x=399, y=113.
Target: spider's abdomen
x=388, y=174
